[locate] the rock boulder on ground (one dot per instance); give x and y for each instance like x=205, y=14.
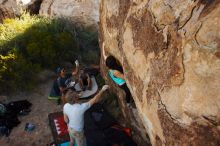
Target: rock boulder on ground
x=8, y=9
x=82, y=12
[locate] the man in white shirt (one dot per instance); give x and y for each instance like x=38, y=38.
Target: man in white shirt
x=74, y=111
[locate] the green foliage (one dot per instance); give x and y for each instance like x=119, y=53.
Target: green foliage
x=88, y=40
x=16, y=73
x=31, y=43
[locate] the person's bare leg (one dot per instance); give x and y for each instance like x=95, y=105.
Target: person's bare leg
x=80, y=139
x=71, y=142
x=81, y=85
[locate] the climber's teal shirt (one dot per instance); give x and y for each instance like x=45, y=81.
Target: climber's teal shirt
x=117, y=80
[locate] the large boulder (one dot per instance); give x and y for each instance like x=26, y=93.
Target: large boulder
x=170, y=54
x=83, y=12
x=14, y=8
x=8, y=9
x=33, y=6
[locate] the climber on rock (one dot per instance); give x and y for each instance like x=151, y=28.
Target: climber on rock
x=115, y=72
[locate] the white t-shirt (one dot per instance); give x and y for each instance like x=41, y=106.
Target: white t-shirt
x=75, y=113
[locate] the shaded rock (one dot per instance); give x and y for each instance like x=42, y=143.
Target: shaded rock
x=82, y=12
x=34, y=6
x=13, y=8
x=5, y=13
x=169, y=51
x=8, y=9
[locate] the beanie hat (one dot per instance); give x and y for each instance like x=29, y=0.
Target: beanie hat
x=59, y=69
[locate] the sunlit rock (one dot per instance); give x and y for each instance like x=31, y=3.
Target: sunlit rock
x=83, y=12
x=170, y=54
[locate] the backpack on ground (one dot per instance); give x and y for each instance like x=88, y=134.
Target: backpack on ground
x=101, y=129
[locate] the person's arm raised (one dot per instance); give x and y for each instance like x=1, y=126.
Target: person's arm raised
x=76, y=70
x=99, y=95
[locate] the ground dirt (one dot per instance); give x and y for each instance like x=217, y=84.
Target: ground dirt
x=41, y=107
x=41, y=136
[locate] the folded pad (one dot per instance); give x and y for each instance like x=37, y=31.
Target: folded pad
x=58, y=128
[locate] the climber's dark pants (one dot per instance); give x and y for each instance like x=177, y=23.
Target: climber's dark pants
x=127, y=91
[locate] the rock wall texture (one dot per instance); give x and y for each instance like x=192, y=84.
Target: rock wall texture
x=84, y=12
x=170, y=54
x=34, y=6
x=13, y=8
x=8, y=9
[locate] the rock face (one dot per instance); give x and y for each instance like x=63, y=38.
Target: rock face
x=12, y=8
x=170, y=54
x=8, y=9
x=33, y=6
x=84, y=12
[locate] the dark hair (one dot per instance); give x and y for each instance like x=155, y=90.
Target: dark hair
x=59, y=69
x=112, y=63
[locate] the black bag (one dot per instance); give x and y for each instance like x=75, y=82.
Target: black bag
x=9, y=119
x=4, y=131
x=96, y=119
x=18, y=106
x=118, y=136
x=8, y=122
x=2, y=109
x=100, y=129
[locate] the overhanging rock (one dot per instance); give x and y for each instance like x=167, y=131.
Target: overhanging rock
x=170, y=54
